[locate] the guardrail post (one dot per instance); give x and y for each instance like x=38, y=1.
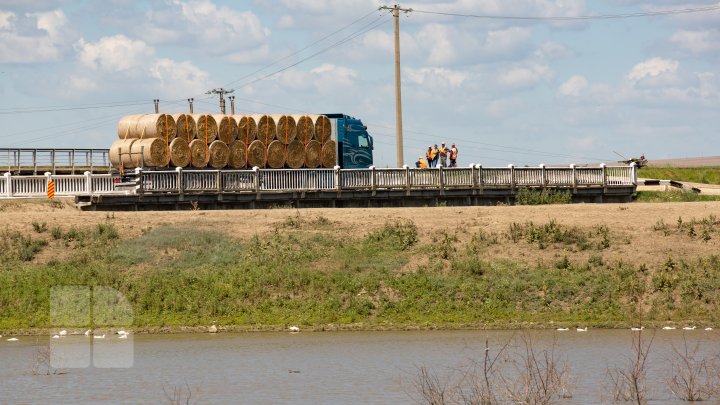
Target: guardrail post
x=34, y=155
x=373, y=179
x=88, y=183
x=408, y=185
x=604, y=177
x=337, y=178
x=481, y=182
x=441, y=178
x=574, y=177
x=72, y=161
x=48, y=179
x=180, y=185
x=219, y=182
x=633, y=173
x=543, y=178
x=473, y=179
x=256, y=171
x=139, y=189
x=512, y=177
x=52, y=161
x=8, y=184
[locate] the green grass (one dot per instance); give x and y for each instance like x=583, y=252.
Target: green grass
x=181, y=276
x=707, y=175
x=673, y=196
x=526, y=196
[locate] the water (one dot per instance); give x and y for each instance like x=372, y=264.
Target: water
x=315, y=368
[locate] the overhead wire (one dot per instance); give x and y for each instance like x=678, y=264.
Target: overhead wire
x=579, y=17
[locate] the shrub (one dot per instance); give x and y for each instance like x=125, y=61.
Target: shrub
x=399, y=234
x=39, y=227
x=525, y=196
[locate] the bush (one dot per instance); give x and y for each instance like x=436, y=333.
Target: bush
x=39, y=227
x=399, y=234
x=526, y=196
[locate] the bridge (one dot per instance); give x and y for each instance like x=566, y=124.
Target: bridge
x=262, y=188
x=56, y=161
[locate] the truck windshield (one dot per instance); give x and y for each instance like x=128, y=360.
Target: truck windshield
x=363, y=140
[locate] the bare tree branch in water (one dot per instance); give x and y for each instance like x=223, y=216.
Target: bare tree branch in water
x=42, y=361
x=629, y=383
x=178, y=394
x=539, y=377
x=693, y=378
x=432, y=390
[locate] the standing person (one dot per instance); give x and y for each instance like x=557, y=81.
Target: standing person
x=429, y=156
x=453, y=156
x=436, y=155
x=443, y=155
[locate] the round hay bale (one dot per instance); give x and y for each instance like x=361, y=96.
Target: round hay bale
x=207, y=129
x=186, y=128
x=276, y=154
x=286, y=128
x=323, y=129
x=118, y=150
x=151, y=152
x=295, y=154
x=256, y=154
x=219, y=153
x=312, y=154
x=328, y=156
x=126, y=157
x=238, y=155
x=198, y=153
x=267, y=130
x=179, y=152
x=126, y=126
x=305, y=128
x=227, y=128
x=155, y=126
x=247, y=128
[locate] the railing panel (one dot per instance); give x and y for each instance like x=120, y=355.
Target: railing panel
x=3, y=186
x=423, y=178
x=70, y=184
x=559, y=177
x=619, y=176
x=240, y=180
x=496, y=177
x=26, y=186
x=589, y=176
x=102, y=183
x=390, y=178
x=200, y=180
x=355, y=179
x=458, y=177
x=297, y=180
x=165, y=181
x=528, y=176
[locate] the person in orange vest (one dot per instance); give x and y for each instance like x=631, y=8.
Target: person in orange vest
x=421, y=163
x=453, y=156
x=429, y=156
x=443, y=155
x=436, y=155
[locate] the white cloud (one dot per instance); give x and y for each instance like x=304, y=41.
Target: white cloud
x=34, y=37
x=115, y=54
x=435, y=78
x=574, y=86
x=705, y=42
x=331, y=75
x=652, y=67
x=521, y=77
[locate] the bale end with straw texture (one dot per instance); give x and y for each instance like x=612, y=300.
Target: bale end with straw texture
x=219, y=153
x=207, y=129
x=323, y=130
x=238, y=155
x=185, y=124
x=151, y=152
x=276, y=154
x=256, y=154
x=305, y=129
x=198, y=153
x=312, y=154
x=286, y=128
x=247, y=128
x=179, y=152
x=329, y=154
x=295, y=155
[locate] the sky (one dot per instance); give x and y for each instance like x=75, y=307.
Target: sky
x=506, y=91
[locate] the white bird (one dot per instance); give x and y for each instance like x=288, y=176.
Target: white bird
x=213, y=329
x=582, y=329
x=689, y=327
x=294, y=329
x=635, y=329
x=12, y=340
x=63, y=332
x=100, y=336
x=56, y=337
x=668, y=328
x=122, y=333
x=708, y=328
x=87, y=332
x=122, y=337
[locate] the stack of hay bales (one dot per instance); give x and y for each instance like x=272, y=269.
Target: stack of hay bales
x=224, y=141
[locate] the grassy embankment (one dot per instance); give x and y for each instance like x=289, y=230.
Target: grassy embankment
x=706, y=175
x=306, y=273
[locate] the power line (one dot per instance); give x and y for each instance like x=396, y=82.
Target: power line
x=580, y=17
x=23, y=110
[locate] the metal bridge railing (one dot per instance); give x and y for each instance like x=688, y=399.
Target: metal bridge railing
x=192, y=181
x=40, y=160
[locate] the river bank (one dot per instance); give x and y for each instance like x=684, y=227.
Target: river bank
x=609, y=266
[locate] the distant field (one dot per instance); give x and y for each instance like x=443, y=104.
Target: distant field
x=706, y=175
x=708, y=161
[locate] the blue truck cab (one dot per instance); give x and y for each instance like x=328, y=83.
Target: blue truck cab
x=355, y=145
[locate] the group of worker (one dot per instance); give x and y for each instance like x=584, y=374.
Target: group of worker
x=433, y=154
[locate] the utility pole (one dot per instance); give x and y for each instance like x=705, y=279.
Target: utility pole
x=396, y=9
x=221, y=92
